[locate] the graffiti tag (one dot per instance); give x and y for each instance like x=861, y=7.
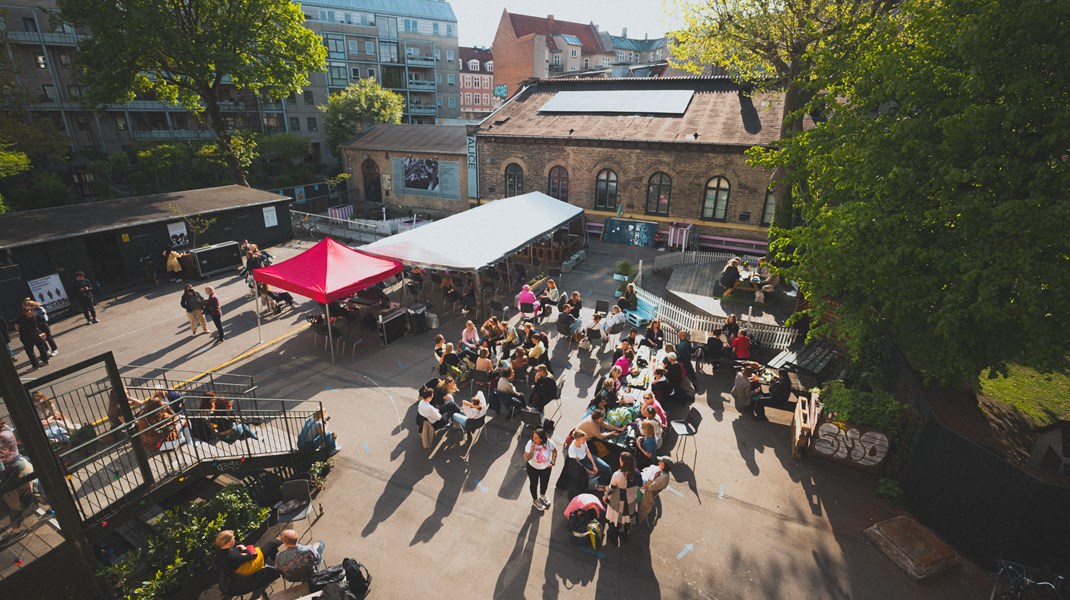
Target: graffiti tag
x=842, y=442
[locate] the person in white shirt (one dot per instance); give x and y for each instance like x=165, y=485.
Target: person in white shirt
x=471, y=409
x=427, y=410
x=616, y=316
x=541, y=455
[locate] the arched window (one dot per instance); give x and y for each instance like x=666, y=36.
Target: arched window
x=768, y=209
x=514, y=180
x=559, y=183
x=605, y=190
x=715, y=206
x=373, y=191
x=658, y=194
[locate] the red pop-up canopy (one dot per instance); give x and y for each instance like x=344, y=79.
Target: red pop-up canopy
x=327, y=271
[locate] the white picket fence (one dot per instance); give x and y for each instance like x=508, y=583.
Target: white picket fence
x=699, y=258
x=674, y=318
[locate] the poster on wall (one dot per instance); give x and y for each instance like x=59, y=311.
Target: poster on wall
x=177, y=232
x=49, y=291
x=270, y=218
x=299, y=195
x=421, y=174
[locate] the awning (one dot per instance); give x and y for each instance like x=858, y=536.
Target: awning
x=327, y=272
x=477, y=237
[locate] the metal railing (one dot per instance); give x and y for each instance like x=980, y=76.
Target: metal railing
x=359, y=231
x=699, y=258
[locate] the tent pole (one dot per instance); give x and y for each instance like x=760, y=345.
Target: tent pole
x=256, y=309
x=479, y=295
x=508, y=274
x=330, y=329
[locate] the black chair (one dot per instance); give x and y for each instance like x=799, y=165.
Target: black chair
x=527, y=308
x=565, y=330
x=594, y=336
x=531, y=418
x=473, y=427
x=687, y=427
x=601, y=307
x=479, y=378
x=299, y=491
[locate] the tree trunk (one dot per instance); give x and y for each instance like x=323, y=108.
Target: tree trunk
x=792, y=123
x=222, y=137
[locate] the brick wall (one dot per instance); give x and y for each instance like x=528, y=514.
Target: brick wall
x=513, y=59
x=689, y=168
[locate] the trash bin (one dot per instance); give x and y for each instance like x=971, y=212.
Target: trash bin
x=417, y=319
x=431, y=319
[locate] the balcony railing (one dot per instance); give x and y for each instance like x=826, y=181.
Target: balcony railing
x=420, y=84
x=420, y=109
x=49, y=37
x=420, y=61
x=168, y=134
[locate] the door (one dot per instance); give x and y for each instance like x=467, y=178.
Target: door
x=373, y=189
x=104, y=255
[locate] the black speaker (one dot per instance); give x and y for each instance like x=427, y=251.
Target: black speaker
x=392, y=326
x=216, y=258
x=417, y=318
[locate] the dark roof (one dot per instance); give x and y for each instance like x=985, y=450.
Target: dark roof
x=448, y=139
x=720, y=112
x=647, y=45
x=47, y=224
x=466, y=53
x=524, y=25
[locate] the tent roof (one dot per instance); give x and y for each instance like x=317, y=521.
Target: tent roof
x=479, y=236
x=327, y=271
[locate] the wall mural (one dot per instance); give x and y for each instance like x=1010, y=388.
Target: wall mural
x=852, y=445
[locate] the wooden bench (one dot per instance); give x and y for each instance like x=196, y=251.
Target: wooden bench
x=643, y=313
x=718, y=242
x=595, y=228
x=811, y=359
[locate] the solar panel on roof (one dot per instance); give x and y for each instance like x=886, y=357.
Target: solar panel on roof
x=661, y=102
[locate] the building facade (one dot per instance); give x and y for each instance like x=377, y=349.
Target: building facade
x=410, y=47
x=477, y=83
x=662, y=150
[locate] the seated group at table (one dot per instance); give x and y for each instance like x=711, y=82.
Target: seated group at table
x=760, y=280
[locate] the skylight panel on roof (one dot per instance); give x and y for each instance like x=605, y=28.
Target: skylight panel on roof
x=572, y=40
x=635, y=102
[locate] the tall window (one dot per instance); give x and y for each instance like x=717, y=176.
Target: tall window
x=559, y=183
x=658, y=193
x=514, y=180
x=768, y=209
x=605, y=190
x=715, y=205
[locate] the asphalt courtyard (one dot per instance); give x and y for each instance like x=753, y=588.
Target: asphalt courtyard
x=741, y=518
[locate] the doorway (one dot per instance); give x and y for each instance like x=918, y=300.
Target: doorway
x=373, y=188
x=105, y=258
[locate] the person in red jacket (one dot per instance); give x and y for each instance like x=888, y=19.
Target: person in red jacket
x=741, y=345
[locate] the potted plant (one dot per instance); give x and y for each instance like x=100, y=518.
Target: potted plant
x=624, y=271
x=317, y=474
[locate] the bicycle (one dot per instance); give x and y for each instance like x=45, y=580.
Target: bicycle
x=307, y=227
x=148, y=265
x=1018, y=582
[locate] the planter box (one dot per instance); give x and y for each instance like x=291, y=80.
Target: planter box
x=619, y=277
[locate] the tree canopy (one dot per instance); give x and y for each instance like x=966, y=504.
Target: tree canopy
x=189, y=52
x=363, y=99
x=934, y=199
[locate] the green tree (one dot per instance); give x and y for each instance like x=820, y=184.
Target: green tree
x=282, y=160
x=364, y=99
x=12, y=162
x=187, y=52
x=934, y=199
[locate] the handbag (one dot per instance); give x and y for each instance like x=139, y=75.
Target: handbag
x=320, y=579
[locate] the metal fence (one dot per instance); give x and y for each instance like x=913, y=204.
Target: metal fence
x=699, y=258
x=357, y=231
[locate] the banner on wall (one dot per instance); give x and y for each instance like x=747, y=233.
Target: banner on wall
x=49, y=291
x=473, y=168
x=271, y=218
x=177, y=233
x=426, y=177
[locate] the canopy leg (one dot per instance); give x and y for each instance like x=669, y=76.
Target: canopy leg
x=256, y=309
x=330, y=330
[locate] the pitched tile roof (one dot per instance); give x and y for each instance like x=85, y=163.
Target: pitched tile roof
x=449, y=139
x=467, y=53
x=718, y=112
x=526, y=25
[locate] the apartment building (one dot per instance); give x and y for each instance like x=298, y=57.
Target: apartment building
x=410, y=46
x=477, y=83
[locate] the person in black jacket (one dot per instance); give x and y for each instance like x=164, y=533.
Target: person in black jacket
x=779, y=392
x=231, y=560
x=544, y=391
x=214, y=310
x=194, y=305
x=84, y=295
x=31, y=337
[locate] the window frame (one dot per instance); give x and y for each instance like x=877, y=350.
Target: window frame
x=664, y=188
x=721, y=197
x=602, y=193
x=514, y=180
x=311, y=123
x=768, y=212
x=557, y=178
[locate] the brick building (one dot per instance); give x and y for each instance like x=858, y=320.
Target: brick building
x=527, y=47
x=419, y=167
x=477, y=83
x=664, y=150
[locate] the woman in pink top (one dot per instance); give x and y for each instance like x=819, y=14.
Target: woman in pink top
x=526, y=295
x=650, y=400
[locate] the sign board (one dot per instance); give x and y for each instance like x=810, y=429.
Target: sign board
x=473, y=168
x=49, y=291
x=633, y=233
x=177, y=233
x=270, y=218
x=501, y=91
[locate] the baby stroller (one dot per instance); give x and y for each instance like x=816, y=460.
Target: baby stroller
x=585, y=520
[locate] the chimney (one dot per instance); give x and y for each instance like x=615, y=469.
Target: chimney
x=646, y=37
x=624, y=32
x=550, y=18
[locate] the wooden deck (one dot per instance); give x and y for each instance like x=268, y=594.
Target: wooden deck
x=694, y=287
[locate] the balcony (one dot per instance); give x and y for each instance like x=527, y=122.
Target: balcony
x=171, y=134
x=422, y=85
x=556, y=68
x=271, y=106
x=420, y=61
x=422, y=109
x=50, y=37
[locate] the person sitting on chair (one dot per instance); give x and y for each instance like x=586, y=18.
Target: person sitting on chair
x=549, y=298
x=314, y=434
x=616, y=316
x=779, y=392
x=569, y=319
x=508, y=336
x=730, y=276
x=646, y=444
x=648, y=399
x=741, y=345
x=475, y=408
x=296, y=561
x=484, y=363
x=428, y=411
x=654, y=336
x=544, y=391
x=576, y=304
x=661, y=386
x=527, y=296
x=232, y=561
x=506, y=396
x=628, y=300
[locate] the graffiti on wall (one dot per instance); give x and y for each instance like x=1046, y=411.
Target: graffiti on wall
x=852, y=445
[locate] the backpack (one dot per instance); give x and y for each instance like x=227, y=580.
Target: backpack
x=357, y=576
x=337, y=591
x=320, y=579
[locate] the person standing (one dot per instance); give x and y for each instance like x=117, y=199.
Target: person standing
x=41, y=315
x=31, y=337
x=84, y=294
x=541, y=454
x=683, y=355
x=194, y=305
x=214, y=310
x=622, y=497
x=174, y=269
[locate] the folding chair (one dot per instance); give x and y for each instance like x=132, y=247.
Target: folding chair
x=530, y=418
x=565, y=330
x=527, y=308
x=473, y=427
x=299, y=493
x=601, y=307
x=687, y=428
x=594, y=336
x=616, y=330
x=479, y=378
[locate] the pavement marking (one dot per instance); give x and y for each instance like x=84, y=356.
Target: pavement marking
x=482, y=487
x=675, y=491
x=720, y=492
x=246, y=354
x=401, y=366
x=367, y=449
x=687, y=549
x=328, y=388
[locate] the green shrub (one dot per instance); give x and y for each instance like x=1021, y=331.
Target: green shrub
x=890, y=490
x=624, y=267
x=183, y=544
x=879, y=409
